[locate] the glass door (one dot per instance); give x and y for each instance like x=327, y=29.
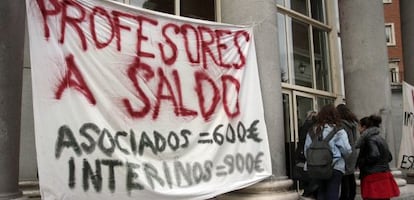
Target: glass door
x=289, y=129
x=304, y=103
x=296, y=105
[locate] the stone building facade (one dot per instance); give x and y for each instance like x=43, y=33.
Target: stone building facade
x=310, y=53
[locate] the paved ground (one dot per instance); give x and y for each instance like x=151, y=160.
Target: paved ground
x=407, y=192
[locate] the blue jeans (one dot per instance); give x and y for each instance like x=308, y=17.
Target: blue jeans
x=329, y=189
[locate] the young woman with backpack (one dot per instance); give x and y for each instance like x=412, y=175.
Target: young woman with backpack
x=377, y=182
x=349, y=123
x=326, y=121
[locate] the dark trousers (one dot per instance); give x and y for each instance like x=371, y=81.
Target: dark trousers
x=329, y=189
x=348, y=187
x=310, y=188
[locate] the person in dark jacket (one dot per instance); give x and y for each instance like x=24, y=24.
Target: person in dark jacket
x=309, y=187
x=349, y=122
x=303, y=130
x=377, y=182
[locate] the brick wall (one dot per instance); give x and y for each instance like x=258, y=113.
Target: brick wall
x=392, y=15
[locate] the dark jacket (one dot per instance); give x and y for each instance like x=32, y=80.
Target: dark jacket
x=351, y=129
x=374, y=154
x=303, y=131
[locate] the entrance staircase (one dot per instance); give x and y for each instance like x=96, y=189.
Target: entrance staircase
x=30, y=189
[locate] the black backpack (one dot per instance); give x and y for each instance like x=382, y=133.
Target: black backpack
x=319, y=156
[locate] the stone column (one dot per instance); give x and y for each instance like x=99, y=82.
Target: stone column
x=262, y=14
x=365, y=60
x=407, y=30
x=12, y=21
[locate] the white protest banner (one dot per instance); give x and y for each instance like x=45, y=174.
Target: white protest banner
x=135, y=104
x=406, y=157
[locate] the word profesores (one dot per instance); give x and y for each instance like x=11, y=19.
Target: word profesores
x=157, y=60
x=169, y=173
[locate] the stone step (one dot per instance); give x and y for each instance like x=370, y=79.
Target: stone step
x=410, y=179
x=30, y=189
x=263, y=196
x=271, y=189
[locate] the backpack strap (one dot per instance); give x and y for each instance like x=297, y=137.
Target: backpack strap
x=313, y=135
x=331, y=134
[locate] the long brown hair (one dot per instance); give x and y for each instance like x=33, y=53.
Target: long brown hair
x=327, y=115
x=345, y=113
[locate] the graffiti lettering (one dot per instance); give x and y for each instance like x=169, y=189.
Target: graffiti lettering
x=202, y=44
x=91, y=137
x=108, y=143
x=170, y=91
x=408, y=119
x=74, y=79
x=231, y=135
x=167, y=174
x=167, y=91
x=407, y=162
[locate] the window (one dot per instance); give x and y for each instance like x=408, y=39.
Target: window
x=299, y=6
x=390, y=34
x=205, y=9
x=394, y=73
x=198, y=9
x=303, y=41
x=303, y=73
x=305, y=63
x=317, y=10
x=322, y=101
x=321, y=59
x=313, y=8
x=387, y=1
